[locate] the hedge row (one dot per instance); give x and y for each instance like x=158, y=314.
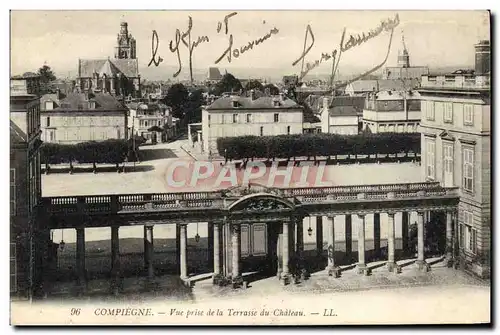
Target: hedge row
x=307, y=145
x=109, y=151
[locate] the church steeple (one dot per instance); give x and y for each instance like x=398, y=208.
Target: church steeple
x=403, y=55
x=125, y=48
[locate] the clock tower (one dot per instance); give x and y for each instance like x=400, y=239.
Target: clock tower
x=125, y=48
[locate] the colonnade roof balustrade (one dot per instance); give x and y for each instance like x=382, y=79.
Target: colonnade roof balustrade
x=252, y=202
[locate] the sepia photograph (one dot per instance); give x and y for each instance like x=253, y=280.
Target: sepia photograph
x=245, y=167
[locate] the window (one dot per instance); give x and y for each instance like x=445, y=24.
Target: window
x=276, y=103
x=249, y=118
x=448, y=158
x=448, y=112
x=118, y=133
x=430, y=161
x=235, y=104
x=235, y=118
x=288, y=130
x=261, y=131
x=276, y=117
x=48, y=121
x=468, y=170
x=429, y=111
x=49, y=105
x=12, y=192
x=145, y=123
x=209, y=119
x=470, y=237
x=468, y=114
x=222, y=119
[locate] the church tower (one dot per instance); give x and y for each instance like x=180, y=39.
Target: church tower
x=125, y=48
x=403, y=56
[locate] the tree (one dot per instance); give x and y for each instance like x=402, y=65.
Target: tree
x=194, y=103
x=228, y=83
x=254, y=85
x=273, y=90
x=176, y=98
x=47, y=76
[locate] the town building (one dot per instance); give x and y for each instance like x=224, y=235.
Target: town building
x=364, y=87
x=342, y=114
x=404, y=70
x=214, y=75
x=118, y=76
x=392, y=111
x=234, y=115
x=456, y=151
x=25, y=186
x=80, y=117
x=152, y=121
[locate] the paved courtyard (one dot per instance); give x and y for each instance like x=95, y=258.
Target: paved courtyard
x=149, y=175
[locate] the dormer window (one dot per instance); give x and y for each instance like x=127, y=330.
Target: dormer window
x=235, y=104
x=91, y=104
x=276, y=103
x=49, y=105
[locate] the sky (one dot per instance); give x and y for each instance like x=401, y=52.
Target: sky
x=60, y=38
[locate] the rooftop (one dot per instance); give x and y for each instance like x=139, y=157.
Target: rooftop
x=79, y=101
x=263, y=102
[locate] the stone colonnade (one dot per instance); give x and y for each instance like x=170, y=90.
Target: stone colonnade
x=290, y=242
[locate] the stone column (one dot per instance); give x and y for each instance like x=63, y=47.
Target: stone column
x=319, y=236
x=304, y=273
x=333, y=270
x=420, y=240
x=279, y=252
x=449, y=239
x=183, y=251
x=237, y=280
x=149, y=250
x=285, y=275
x=405, y=231
x=391, y=263
x=216, y=251
x=211, y=239
x=80, y=259
x=348, y=236
x=112, y=85
x=178, y=247
x=115, y=258
x=376, y=234
x=361, y=244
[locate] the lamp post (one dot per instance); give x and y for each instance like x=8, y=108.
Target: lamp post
x=309, y=230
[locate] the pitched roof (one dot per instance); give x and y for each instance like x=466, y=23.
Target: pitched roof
x=128, y=67
x=108, y=69
x=383, y=85
x=264, y=102
x=78, y=101
x=346, y=106
x=214, y=73
x=16, y=134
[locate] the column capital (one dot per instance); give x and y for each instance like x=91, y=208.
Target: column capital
x=149, y=227
x=236, y=228
x=361, y=215
x=420, y=212
x=391, y=213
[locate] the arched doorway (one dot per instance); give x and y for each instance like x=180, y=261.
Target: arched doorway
x=260, y=217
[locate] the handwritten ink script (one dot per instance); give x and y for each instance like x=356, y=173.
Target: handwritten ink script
x=230, y=52
x=191, y=44
x=345, y=45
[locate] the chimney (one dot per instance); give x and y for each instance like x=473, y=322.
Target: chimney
x=482, y=57
x=252, y=95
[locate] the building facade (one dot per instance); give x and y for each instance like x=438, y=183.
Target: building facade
x=392, y=111
x=119, y=76
x=26, y=251
x=81, y=117
x=456, y=151
x=341, y=115
x=232, y=116
x=152, y=121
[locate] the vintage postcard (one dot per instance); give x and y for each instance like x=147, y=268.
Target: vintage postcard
x=250, y=167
